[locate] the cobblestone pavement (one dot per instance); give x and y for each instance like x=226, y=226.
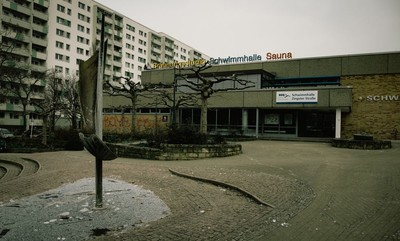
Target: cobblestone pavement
x=319, y=192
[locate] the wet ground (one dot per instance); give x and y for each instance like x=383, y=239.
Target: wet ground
x=319, y=192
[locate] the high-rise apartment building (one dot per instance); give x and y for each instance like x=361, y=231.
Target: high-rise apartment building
x=58, y=34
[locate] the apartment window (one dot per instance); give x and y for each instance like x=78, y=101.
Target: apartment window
x=128, y=65
x=131, y=28
x=58, y=69
x=59, y=32
x=67, y=70
x=140, y=50
x=142, y=60
x=128, y=46
x=88, y=9
x=88, y=30
x=81, y=28
x=79, y=50
x=140, y=32
x=128, y=55
x=68, y=35
x=59, y=56
x=67, y=59
x=67, y=47
x=87, y=52
x=63, y=21
x=59, y=45
x=88, y=19
x=60, y=8
x=14, y=116
x=140, y=68
x=68, y=1
x=81, y=17
x=80, y=39
x=128, y=36
x=81, y=5
x=69, y=11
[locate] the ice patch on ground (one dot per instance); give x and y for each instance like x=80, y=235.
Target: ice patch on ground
x=68, y=213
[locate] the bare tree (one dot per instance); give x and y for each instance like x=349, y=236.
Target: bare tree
x=174, y=100
x=71, y=103
x=6, y=48
x=207, y=85
x=129, y=89
x=23, y=86
x=53, y=95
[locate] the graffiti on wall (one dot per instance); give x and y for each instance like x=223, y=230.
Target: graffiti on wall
x=144, y=123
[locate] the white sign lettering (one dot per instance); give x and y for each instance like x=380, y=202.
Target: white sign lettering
x=383, y=97
x=296, y=97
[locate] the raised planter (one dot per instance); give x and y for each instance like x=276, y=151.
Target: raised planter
x=362, y=144
x=176, y=152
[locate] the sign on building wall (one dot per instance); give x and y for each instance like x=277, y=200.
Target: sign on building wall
x=297, y=97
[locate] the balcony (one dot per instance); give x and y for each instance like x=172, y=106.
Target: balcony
x=117, y=64
x=117, y=54
x=39, y=55
x=119, y=24
x=156, y=41
x=17, y=22
x=40, y=28
x=21, y=51
x=39, y=68
x=16, y=7
x=156, y=50
x=40, y=42
x=43, y=3
x=41, y=15
x=20, y=37
x=118, y=34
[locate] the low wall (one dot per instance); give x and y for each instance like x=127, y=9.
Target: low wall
x=361, y=144
x=176, y=152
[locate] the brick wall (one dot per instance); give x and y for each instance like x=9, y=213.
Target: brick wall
x=375, y=115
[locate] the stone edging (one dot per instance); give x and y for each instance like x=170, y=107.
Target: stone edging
x=176, y=152
x=361, y=144
x=226, y=185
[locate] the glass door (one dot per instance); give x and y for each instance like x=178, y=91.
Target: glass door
x=280, y=122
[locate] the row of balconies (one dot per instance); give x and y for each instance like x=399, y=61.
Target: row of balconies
x=26, y=11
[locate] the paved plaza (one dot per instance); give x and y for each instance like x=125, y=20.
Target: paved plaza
x=318, y=192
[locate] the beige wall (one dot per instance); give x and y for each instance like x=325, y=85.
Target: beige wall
x=377, y=117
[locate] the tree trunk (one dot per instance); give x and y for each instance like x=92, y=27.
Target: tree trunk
x=203, y=118
x=25, y=118
x=44, y=130
x=133, y=123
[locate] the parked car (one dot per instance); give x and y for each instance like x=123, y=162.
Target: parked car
x=4, y=133
x=3, y=145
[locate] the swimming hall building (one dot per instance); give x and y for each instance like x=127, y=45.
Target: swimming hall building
x=326, y=97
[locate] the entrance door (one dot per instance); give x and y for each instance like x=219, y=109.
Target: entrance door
x=280, y=123
x=315, y=123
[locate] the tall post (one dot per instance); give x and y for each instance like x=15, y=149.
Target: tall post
x=99, y=116
x=338, y=121
x=99, y=85
x=174, y=100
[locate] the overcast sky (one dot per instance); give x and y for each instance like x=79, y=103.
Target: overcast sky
x=306, y=28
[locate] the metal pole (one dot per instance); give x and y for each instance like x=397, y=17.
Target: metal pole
x=99, y=86
x=99, y=183
x=174, y=101
x=99, y=117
